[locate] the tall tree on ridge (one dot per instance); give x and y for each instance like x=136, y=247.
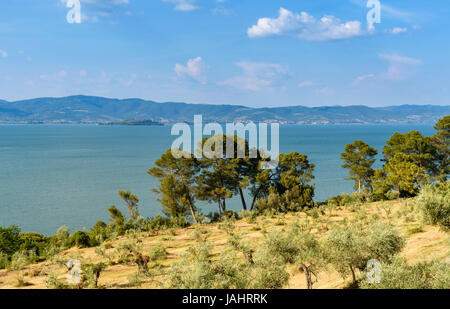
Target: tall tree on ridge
x=359, y=158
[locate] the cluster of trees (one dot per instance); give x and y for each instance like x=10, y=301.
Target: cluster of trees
x=216, y=178
x=346, y=249
x=410, y=162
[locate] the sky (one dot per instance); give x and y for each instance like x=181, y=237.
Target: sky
x=257, y=53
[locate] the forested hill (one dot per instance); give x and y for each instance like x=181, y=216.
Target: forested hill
x=89, y=109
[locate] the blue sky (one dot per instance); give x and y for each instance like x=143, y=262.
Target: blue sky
x=250, y=52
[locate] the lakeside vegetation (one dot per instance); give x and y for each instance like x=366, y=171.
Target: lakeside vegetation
x=280, y=233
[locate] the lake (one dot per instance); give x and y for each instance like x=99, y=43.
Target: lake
x=54, y=175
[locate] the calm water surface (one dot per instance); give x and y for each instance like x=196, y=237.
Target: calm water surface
x=54, y=175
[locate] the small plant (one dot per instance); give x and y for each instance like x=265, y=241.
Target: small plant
x=434, y=204
x=52, y=282
x=92, y=273
x=22, y=258
x=158, y=253
x=20, y=281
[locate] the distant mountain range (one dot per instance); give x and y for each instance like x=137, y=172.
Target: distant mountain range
x=89, y=109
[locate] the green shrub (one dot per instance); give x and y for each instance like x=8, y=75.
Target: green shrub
x=158, y=253
x=434, y=204
x=79, y=239
x=33, y=241
x=22, y=258
x=4, y=260
x=62, y=235
x=392, y=195
x=9, y=239
x=400, y=275
x=350, y=248
x=92, y=273
x=198, y=270
x=346, y=199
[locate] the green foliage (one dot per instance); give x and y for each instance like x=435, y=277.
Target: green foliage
x=4, y=260
x=349, y=248
x=99, y=233
x=403, y=174
x=132, y=203
x=287, y=187
x=177, y=175
x=434, y=204
x=22, y=258
x=400, y=275
x=300, y=248
x=92, y=273
x=52, y=282
x=161, y=223
x=9, y=239
x=419, y=149
x=197, y=269
x=79, y=239
x=380, y=187
x=62, y=234
x=158, y=253
x=359, y=158
x=441, y=141
x=346, y=199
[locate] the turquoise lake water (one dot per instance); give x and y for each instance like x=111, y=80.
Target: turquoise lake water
x=54, y=175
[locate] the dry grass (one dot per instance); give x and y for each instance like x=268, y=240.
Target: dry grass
x=423, y=243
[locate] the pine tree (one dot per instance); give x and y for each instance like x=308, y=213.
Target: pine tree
x=359, y=158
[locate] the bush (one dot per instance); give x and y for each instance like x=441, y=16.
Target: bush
x=22, y=258
x=346, y=199
x=158, y=253
x=434, y=203
x=79, y=239
x=158, y=223
x=230, y=214
x=197, y=270
x=92, y=273
x=350, y=248
x=392, y=195
x=62, y=235
x=4, y=260
x=400, y=275
x=33, y=241
x=9, y=240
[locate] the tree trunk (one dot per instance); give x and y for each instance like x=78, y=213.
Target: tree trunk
x=254, y=198
x=308, y=277
x=359, y=185
x=244, y=205
x=191, y=207
x=353, y=274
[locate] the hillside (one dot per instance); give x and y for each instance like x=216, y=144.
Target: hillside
x=88, y=109
x=423, y=243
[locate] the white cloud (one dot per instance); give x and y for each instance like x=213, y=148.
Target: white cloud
x=256, y=75
x=400, y=67
x=305, y=26
x=305, y=83
x=183, y=5
x=3, y=53
x=195, y=69
x=397, y=30
x=362, y=78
